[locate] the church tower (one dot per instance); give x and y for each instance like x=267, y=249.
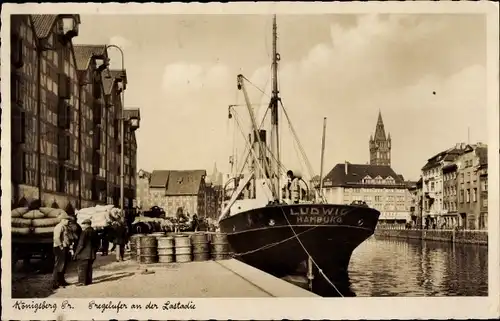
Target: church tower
x=380, y=145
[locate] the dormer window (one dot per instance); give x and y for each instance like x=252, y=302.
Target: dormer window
x=70, y=26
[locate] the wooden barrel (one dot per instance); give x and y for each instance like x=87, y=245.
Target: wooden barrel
x=149, y=253
x=165, y=249
x=133, y=246
x=220, y=247
x=137, y=241
x=201, y=250
x=182, y=248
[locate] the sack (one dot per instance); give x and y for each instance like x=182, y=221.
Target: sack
x=51, y=212
x=20, y=222
x=45, y=222
x=44, y=230
x=34, y=214
x=21, y=230
x=19, y=212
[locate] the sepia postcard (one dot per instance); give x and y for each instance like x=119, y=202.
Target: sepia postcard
x=250, y=161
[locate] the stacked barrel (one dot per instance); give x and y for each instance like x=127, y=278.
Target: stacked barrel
x=180, y=248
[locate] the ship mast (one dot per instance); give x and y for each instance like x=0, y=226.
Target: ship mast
x=275, y=161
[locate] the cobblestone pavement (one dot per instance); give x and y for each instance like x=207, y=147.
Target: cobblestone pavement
x=128, y=279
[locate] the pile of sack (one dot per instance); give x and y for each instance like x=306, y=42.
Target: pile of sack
x=151, y=224
x=40, y=222
x=100, y=215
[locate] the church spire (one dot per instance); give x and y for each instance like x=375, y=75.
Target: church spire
x=379, y=129
x=380, y=144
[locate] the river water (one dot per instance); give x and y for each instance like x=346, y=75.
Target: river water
x=391, y=267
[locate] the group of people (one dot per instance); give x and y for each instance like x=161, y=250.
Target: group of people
x=81, y=243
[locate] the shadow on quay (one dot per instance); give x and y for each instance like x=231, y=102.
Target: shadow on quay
x=34, y=282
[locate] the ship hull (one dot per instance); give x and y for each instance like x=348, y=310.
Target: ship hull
x=264, y=238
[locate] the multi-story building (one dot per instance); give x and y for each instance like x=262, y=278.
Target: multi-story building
x=132, y=117
x=432, y=173
x=61, y=115
x=380, y=145
x=412, y=197
x=377, y=185
x=91, y=60
x=450, y=199
x=171, y=190
x=472, y=164
x=482, y=171
x=44, y=100
x=142, y=190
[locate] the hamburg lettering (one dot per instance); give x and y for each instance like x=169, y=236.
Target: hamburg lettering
x=319, y=220
x=328, y=211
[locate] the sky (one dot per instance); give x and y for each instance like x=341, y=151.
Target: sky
x=426, y=74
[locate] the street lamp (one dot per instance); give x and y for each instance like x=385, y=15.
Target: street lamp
x=122, y=128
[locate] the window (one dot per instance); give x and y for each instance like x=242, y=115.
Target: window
x=484, y=185
x=461, y=196
x=467, y=196
x=485, y=202
x=474, y=195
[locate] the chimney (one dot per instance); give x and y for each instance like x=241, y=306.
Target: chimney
x=346, y=166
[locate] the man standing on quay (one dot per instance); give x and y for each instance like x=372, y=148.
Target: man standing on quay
x=85, y=253
x=61, y=251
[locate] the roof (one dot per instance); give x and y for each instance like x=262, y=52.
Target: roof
x=159, y=178
x=109, y=77
x=43, y=24
x=482, y=154
x=132, y=113
x=143, y=174
x=84, y=53
x=450, y=168
x=411, y=184
x=449, y=155
x=186, y=182
x=357, y=172
x=379, y=129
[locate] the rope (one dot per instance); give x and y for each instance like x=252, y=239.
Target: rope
x=309, y=255
x=267, y=246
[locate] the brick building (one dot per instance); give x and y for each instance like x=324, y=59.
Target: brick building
x=171, y=190
x=60, y=115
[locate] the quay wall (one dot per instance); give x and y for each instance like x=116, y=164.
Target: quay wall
x=460, y=236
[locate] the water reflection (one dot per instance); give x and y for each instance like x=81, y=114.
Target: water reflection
x=382, y=267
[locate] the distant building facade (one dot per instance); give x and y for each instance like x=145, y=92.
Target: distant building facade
x=450, y=196
x=185, y=189
x=377, y=185
x=380, y=145
x=142, y=190
x=473, y=187
x=213, y=193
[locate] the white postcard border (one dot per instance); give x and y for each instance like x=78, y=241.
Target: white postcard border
x=276, y=308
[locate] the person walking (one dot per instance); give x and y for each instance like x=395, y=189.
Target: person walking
x=85, y=253
x=120, y=238
x=61, y=244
